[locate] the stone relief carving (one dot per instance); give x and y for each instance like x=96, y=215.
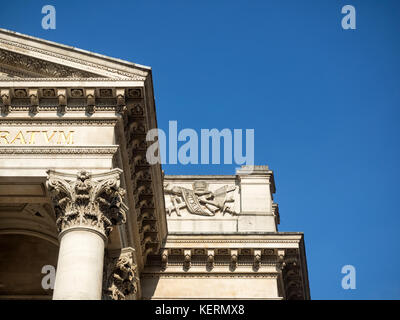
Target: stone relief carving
x=120, y=276
x=8, y=73
x=41, y=67
x=200, y=200
x=136, y=75
x=87, y=201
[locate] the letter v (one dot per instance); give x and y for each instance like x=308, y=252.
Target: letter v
x=47, y=137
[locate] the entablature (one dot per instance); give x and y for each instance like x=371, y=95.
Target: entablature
x=274, y=255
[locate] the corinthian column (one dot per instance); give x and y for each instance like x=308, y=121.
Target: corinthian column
x=87, y=206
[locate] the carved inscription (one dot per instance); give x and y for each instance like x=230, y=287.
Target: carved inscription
x=36, y=137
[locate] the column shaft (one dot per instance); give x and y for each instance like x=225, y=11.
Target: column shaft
x=80, y=266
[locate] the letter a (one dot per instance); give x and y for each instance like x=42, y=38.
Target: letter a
x=349, y=280
x=49, y=20
x=49, y=279
x=349, y=20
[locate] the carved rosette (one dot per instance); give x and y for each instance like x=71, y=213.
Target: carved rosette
x=86, y=200
x=120, y=276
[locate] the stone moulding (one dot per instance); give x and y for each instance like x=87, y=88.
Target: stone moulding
x=219, y=275
x=99, y=150
x=266, y=241
x=57, y=122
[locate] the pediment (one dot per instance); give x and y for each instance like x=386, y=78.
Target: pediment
x=15, y=65
x=26, y=57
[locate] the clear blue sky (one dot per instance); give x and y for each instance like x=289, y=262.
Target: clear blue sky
x=324, y=103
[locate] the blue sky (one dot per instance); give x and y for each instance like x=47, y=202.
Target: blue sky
x=324, y=103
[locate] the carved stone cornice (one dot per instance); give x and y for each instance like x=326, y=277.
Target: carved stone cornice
x=120, y=278
x=263, y=240
x=87, y=201
x=57, y=122
x=135, y=130
x=195, y=275
x=67, y=99
x=254, y=262
x=291, y=271
x=229, y=258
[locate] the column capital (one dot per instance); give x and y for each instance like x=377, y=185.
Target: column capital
x=120, y=275
x=87, y=201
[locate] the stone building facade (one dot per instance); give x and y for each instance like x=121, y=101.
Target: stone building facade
x=77, y=193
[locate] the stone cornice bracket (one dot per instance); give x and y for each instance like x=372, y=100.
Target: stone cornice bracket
x=62, y=100
x=234, y=259
x=120, y=276
x=187, y=259
x=145, y=195
x=294, y=285
x=121, y=105
x=90, y=101
x=257, y=259
x=88, y=201
x=210, y=259
x=34, y=99
x=281, y=259
x=164, y=259
x=6, y=99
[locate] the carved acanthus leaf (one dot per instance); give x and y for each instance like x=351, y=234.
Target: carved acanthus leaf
x=120, y=276
x=87, y=201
